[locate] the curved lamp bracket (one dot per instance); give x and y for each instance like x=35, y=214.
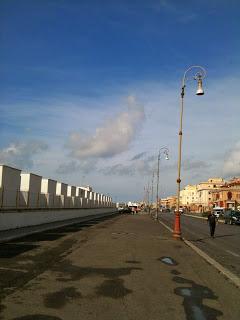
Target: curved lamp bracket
x=200, y=74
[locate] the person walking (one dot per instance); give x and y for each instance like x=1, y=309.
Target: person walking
x=212, y=220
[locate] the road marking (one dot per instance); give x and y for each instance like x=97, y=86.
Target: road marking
x=232, y=277
x=15, y=270
x=166, y=226
x=233, y=253
x=197, y=217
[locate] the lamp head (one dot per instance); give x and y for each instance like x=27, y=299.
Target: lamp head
x=166, y=155
x=200, y=91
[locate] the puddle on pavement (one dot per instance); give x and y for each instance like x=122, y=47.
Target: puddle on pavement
x=185, y=292
x=168, y=260
x=193, y=296
x=198, y=314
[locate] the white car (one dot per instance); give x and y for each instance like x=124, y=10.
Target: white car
x=217, y=214
x=180, y=210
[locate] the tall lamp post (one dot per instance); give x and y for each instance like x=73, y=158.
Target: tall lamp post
x=152, y=191
x=165, y=151
x=199, y=76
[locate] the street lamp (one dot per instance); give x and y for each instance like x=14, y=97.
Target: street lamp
x=165, y=151
x=152, y=193
x=199, y=76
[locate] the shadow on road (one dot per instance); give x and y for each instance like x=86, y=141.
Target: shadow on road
x=209, y=237
x=16, y=247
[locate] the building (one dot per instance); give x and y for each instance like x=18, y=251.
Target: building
x=205, y=191
x=169, y=202
x=228, y=195
x=189, y=197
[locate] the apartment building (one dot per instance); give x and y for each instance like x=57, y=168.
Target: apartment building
x=228, y=195
x=189, y=197
x=205, y=193
x=169, y=202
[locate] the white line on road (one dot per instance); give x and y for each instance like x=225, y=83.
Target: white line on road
x=232, y=277
x=15, y=270
x=233, y=253
x=197, y=217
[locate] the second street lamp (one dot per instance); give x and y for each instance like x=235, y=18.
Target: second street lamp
x=199, y=76
x=165, y=151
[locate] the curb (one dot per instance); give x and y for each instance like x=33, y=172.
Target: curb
x=229, y=275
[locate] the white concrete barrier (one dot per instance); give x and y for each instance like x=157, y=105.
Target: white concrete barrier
x=13, y=220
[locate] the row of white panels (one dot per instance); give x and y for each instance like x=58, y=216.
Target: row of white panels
x=23, y=199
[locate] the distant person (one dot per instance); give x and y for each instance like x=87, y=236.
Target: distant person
x=212, y=220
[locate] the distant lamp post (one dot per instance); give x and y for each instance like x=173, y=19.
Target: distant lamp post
x=199, y=76
x=152, y=192
x=165, y=151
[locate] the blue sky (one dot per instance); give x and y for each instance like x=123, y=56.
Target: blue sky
x=86, y=86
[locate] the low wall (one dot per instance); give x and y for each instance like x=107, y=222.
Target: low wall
x=13, y=220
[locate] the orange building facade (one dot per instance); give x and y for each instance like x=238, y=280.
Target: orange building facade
x=228, y=196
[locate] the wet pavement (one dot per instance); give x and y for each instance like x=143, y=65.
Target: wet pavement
x=224, y=248
x=124, y=267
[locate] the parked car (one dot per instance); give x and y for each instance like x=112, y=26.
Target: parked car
x=127, y=210
x=166, y=210
x=218, y=211
x=232, y=217
x=181, y=210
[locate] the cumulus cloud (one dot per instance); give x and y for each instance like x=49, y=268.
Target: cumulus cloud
x=21, y=154
x=189, y=165
x=112, y=138
x=138, y=167
x=231, y=165
x=85, y=166
x=138, y=156
x=119, y=170
x=68, y=167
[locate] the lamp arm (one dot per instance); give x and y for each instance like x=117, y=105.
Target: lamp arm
x=163, y=150
x=202, y=72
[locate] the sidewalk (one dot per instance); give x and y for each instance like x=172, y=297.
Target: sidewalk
x=129, y=268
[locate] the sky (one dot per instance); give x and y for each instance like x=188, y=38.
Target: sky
x=90, y=91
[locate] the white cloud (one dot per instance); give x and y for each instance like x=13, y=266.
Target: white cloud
x=85, y=166
x=137, y=166
x=112, y=138
x=21, y=154
x=232, y=162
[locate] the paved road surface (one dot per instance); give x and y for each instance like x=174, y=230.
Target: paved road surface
x=122, y=268
x=224, y=248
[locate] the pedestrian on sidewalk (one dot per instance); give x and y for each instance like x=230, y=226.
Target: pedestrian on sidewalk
x=212, y=220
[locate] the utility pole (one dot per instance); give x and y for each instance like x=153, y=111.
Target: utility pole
x=152, y=190
x=157, y=198
x=148, y=200
x=144, y=195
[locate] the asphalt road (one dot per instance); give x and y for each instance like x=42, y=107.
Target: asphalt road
x=224, y=248
x=122, y=268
